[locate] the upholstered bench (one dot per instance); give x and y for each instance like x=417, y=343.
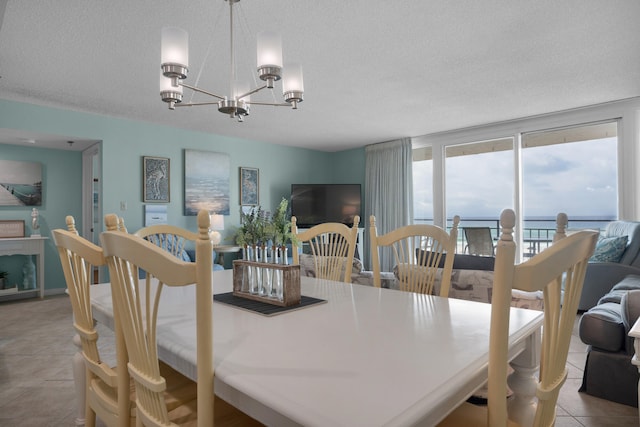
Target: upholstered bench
x=608, y=371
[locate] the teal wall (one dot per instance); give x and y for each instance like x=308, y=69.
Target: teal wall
x=124, y=142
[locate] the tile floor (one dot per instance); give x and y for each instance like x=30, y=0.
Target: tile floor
x=37, y=389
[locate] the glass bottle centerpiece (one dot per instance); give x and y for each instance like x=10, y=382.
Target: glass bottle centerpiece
x=264, y=239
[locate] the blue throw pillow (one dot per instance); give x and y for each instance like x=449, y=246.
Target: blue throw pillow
x=609, y=249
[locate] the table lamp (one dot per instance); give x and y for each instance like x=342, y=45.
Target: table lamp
x=217, y=223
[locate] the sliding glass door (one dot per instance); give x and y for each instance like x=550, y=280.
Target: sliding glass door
x=538, y=174
x=572, y=170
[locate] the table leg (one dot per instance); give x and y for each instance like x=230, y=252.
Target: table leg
x=80, y=380
x=523, y=382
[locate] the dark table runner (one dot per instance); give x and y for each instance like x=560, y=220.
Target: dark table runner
x=264, y=308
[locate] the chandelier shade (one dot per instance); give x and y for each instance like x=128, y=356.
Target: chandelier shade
x=293, y=84
x=269, y=49
x=175, y=46
x=174, y=65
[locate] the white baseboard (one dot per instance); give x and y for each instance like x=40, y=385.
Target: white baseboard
x=56, y=291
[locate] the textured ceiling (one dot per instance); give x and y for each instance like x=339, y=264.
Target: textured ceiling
x=374, y=70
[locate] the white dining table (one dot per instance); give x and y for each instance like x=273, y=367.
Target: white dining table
x=366, y=357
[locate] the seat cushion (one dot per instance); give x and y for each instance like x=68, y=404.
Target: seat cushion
x=602, y=327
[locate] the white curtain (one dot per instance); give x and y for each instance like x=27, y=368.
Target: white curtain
x=388, y=191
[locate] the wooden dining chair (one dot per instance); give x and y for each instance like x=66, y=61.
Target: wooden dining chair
x=136, y=304
x=114, y=222
x=420, y=252
x=561, y=266
x=332, y=246
x=107, y=389
x=171, y=238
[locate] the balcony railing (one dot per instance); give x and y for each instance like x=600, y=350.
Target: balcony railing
x=537, y=234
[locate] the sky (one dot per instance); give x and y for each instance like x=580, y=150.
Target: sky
x=577, y=178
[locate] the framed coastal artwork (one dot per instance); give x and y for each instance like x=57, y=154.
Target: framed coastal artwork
x=20, y=183
x=156, y=181
x=249, y=186
x=206, y=182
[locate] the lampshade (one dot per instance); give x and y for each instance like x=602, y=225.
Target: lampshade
x=175, y=47
x=269, y=49
x=217, y=222
x=292, y=78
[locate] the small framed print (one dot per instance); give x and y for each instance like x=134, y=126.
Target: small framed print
x=155, y=180
x=249, y=186
x=11, y=228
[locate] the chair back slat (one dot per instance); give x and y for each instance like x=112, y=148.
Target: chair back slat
x=422, y=253
x=172, y=239
x=332, y=247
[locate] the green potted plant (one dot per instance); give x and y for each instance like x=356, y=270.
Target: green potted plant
x=281, y=224
x=247, y=235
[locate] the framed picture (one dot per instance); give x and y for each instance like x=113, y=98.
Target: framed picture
x=11, y=228
x=155, y=180
x=249, y=186
x=20, y=183
x=206, y=182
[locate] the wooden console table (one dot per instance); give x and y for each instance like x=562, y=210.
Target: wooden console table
x=26, y=246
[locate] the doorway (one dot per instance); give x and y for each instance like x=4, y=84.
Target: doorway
x=92, y=199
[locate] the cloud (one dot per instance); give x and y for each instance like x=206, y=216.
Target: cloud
x=578, y=178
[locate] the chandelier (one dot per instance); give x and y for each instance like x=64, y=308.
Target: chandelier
x=175, y=66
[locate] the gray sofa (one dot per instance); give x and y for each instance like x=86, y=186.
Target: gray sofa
x=602, y=276
x=608, y=372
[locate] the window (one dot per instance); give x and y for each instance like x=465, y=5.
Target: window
x=571, y=170
x=422, y=185
x=479, y=179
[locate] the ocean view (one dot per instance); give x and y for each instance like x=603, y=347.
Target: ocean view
x=540, y=228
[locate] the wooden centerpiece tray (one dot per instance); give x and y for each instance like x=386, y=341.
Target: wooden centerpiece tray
x=290, y=281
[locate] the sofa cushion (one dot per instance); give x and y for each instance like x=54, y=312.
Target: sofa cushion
x=630, y=282
x=602, y=327
x=609, y=249
x=462, y=261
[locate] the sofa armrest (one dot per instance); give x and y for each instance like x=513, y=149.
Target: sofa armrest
x=599, y=279
x=630, y=310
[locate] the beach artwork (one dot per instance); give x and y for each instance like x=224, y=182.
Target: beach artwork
x=20, y=183
x=206, y=182
x=249, y=186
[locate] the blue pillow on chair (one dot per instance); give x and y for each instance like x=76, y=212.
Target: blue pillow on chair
x=609, y=249
x=192, y=257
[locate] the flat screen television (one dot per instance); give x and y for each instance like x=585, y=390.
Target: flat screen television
x=314, y=204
